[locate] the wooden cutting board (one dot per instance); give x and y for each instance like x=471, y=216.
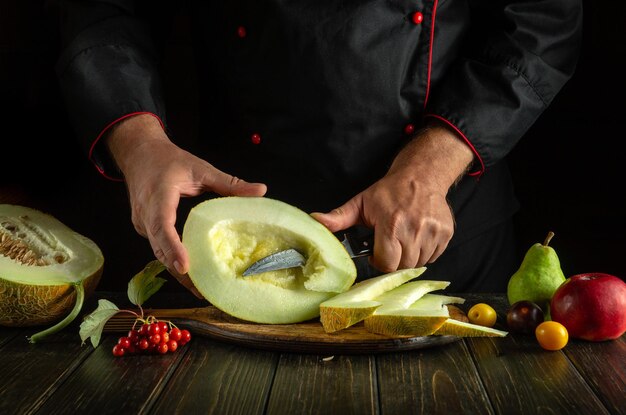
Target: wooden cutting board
x=306, y=337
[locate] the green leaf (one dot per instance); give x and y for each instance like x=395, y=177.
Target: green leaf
x=93, y=324
x=145, y=283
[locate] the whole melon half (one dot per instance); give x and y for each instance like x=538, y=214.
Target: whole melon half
x=225, y=235
x=46, y=269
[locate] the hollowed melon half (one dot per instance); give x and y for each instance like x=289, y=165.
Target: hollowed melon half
x=224, y=236
x=45, y=267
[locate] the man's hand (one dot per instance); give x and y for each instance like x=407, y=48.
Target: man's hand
x=158, y=173
x=407, y=208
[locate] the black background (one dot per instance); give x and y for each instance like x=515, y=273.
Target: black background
x=568, y=169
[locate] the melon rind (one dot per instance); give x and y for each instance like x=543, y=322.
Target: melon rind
x=225, y=235
x=38, y=295
x=422, y=318
x=360, y=301
x=453, y=327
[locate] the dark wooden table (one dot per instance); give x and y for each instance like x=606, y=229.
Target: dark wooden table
x=511, y=375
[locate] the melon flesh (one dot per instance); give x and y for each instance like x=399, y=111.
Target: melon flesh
x=354, y=305
x=41, y=262
x=453, y=327
x=224, y=236
x=421, y=318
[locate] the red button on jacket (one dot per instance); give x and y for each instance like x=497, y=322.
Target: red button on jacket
x=417, y=18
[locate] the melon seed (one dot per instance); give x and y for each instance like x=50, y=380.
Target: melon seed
x=24, y=242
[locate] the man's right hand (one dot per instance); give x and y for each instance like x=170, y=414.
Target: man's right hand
x=158, y=173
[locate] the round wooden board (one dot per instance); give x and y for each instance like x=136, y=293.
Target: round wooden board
x=306, y=337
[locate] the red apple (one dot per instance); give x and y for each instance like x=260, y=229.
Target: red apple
x=591, y=306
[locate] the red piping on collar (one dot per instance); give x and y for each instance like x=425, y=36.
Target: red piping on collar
x=430, y=50
x=107, y=128
x=481, y=170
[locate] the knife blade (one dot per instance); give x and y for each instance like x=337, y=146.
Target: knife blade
x=357, y=246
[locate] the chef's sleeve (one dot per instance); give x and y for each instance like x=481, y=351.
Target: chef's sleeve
x=519, y=54
x=107, y=71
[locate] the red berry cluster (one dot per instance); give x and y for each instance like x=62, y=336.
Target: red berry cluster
x=152, y=337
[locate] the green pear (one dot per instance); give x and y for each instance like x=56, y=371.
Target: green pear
x=538, y=276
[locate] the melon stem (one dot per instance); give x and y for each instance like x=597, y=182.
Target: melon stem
x=80, y=298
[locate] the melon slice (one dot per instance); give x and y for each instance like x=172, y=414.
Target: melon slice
x=354, y=305
x=453, y=327
x=46, y=269
x=225, y=235
x=421, y=318
x=405, y=295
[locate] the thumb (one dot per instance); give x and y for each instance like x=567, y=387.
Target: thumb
x=340, y=218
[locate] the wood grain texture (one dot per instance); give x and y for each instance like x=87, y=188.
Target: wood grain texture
x=522, y=378
x=434, y=381
x=306, y=337
x=510, y=375
x=215, y=378
x=31, y=373
x=325, y=385
x=103, y=384
x=604, y=366
x=6, y=334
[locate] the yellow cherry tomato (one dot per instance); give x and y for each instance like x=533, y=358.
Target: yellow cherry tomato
x=551, y=335
x=482, y=314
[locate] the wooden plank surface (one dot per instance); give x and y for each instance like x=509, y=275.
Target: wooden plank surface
x=511, y=375
x=604, y=366
x=103, y=384
x=216, y=378
x=31, y=373
x=440, y=380
x=522, y=378
x=324, y=385
x=8, y=333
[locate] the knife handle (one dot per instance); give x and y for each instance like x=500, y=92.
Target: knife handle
x=361, y=244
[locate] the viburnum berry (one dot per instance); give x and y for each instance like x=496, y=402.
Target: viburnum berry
x=175, y=334
x=143, y=330
x=118, y=350
x=124, y=342
x=185, y=336
x=132, y=349
x=154, y=328
x=163, y=326
x=152, y=336
x=162, y=348
x=143, y=344
x=133, y=336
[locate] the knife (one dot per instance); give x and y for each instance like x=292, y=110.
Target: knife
x=357, y=245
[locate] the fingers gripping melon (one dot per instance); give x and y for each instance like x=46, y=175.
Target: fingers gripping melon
x=46, y=269
x=224, y=236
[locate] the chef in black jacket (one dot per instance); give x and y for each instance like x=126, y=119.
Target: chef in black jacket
x=396, y=115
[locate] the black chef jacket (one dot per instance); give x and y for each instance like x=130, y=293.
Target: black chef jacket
x=315, y=98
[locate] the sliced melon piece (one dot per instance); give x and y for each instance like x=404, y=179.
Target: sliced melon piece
x=46, y=269
x=354, y=305
x=408, y=322
x=453, y=327
x=422, y=318
x=433, y=301
x=405, y=295
x=225, y=235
